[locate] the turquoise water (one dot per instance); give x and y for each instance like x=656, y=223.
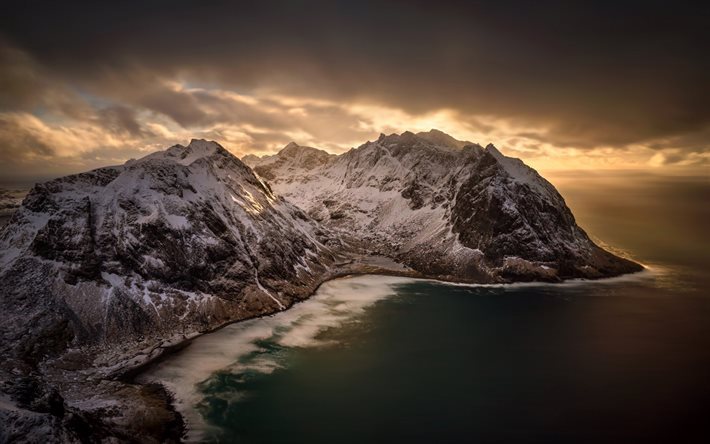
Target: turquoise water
x=420, y=361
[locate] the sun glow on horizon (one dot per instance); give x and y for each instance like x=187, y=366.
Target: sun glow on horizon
x=263, y=123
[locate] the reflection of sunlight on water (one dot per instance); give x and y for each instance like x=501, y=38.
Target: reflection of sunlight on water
x=674, y=278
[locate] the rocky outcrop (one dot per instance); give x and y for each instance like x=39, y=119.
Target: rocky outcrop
x=121, y=263
x=105, y=271
x=447, y=208
x=10, y=201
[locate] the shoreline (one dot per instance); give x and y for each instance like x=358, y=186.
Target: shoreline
x=130, y=375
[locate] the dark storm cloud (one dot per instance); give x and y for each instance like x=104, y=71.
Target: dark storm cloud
x=25, y=85
x=120, y=120
x=182, y=108
x=16, y=147
x=593, y=73
x=18, y=80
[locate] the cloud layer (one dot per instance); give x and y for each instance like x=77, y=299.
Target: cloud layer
x=606, y=84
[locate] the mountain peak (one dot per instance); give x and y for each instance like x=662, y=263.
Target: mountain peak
x=490, y=148
x=292, y=156
x=194, y=143
x=434, y=136
x=185, y=155
x=295, y=150
x=204, y=148
x=440, y=138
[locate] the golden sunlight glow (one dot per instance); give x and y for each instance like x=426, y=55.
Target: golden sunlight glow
x=263, y=124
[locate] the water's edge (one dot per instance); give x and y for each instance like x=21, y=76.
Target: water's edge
x=131, y=375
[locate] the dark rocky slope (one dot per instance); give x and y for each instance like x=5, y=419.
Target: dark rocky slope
x=447, y=208
x=105, y=271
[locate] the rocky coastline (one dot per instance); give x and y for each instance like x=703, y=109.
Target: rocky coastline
x=110, y=271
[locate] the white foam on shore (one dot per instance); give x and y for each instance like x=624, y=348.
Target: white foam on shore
x=334, y=303
x=648, y=273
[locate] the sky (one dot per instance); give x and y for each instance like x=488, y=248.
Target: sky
x=564, y=85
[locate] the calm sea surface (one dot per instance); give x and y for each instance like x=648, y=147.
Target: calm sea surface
x=383, y=359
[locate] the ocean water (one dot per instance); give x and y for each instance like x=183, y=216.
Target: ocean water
x=382, y=359
x=374, y=359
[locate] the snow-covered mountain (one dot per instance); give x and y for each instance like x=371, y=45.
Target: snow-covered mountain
x=120, y=263
x=179, y=237
x=447, y=208
x=104, y=271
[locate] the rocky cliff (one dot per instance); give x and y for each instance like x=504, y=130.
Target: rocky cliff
x=105, y=271
x=447, y=208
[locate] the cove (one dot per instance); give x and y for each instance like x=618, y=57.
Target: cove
x=390, y=359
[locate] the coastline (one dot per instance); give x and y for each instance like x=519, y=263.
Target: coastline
x=152, y=408
x=132, y=374
x=129, y=374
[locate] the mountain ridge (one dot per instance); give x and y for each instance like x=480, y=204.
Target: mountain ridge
x=106, y=271
x=493, y=217
x=115, y=266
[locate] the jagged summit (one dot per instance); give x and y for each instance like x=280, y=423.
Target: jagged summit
x=185, y=155
x=176, y=234
x=446, y=207
x=105, y=270
x=293, y=157
x=442, y=139
x=433, y=137
x=493, y=150
x=290, y=146
x=294, y=149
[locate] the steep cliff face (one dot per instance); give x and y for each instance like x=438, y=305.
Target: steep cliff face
x=104, y=270
x=178, y=240
x=445, y=207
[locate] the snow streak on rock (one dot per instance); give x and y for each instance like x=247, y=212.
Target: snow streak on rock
x=447, y=208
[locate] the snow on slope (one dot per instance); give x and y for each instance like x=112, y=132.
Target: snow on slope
x=105, y=270
x=177, y=241
x=445, y=207
x=10, y=200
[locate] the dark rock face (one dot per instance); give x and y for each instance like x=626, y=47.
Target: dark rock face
x=507, y=219
x=504, y=218
x=103, y=270
x=447, y=208
x=106, y=270
x=192, y=222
